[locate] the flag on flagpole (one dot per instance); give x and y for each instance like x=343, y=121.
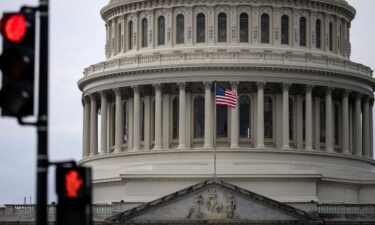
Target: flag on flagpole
x=225, y=97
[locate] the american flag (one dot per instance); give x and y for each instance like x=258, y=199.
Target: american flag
x=226, y=97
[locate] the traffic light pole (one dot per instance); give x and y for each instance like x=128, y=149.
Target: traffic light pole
x=42, y=124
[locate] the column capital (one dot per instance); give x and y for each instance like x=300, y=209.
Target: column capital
x=118, y=91
x=157, y=87
x=309, y=88
x=358, y=96
x=92, y=97
x=329, y=90
x=207, y=84
x=234, y=84
x=286, y=86
x=261, y=85
x=86, y=99
x=103, y=94
x=181, y=85
x=346, y=93
x=135, y=88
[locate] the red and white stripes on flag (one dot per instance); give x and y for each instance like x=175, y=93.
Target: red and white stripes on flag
x=226, y=97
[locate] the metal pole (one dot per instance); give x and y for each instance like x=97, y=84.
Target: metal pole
x=214, y=131
x=42, y=124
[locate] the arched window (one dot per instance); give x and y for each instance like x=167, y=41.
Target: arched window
x=291, y=119
x=144, y=32
x=245, y=127
x=222, y=27
x=199, y=117
x=244, y=27
x=175, y=116
x=322, y=121
x=331, y=36
x=285, y=30
x=161, y=30
x=180, y=29
x=119, y=39
x=130, y=33
x=222, y=121
x=142, y=122
x=338, y=39
x=302, y=31
x=268, y=117
x=265, y=28
x=318, y=34
x=336, y=124
x=201, y=28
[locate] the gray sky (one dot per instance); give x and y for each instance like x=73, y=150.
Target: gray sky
x=77, y=41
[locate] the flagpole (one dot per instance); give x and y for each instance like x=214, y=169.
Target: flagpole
x=214, y=125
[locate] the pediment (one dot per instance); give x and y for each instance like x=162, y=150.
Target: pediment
x=214, y=201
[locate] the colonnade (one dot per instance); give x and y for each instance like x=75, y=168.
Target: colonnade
x=356, y=122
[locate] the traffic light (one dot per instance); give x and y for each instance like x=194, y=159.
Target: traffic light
x=73, y=187
x=17, y=63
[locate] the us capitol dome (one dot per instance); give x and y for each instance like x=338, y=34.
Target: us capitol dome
x=302, y=131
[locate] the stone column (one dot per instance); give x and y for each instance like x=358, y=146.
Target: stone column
x=158, y=118
x=358, y=126
x=329, y=121
x=308, y=118
x=103, y=131
x=130, y=131
x=317, y=123
x=234, y=120
x=137, y=110
x=86, y=127
x=366, y=128
x=345, y=122
x=371, y=129
x=93, y=126
x=285, y=121
x=208, y=129
x=119, y=116
x=182, y=112
x=260, y=124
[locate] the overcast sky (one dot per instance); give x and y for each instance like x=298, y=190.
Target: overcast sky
x=77, y=41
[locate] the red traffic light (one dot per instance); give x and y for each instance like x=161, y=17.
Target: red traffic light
x=14, y=27
x=73, y=183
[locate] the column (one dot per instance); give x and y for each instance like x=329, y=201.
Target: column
x=234, y=120
x=371, y=129
x=366, y=128
x=119, y=116
x=103, y=131
x=308, y=118
x=93, y=127
x=136, y=128
x=345, y=122
x=208, y=128
x=358, y=126
x=317, y=123
x=147, y=125
x=130, y=131
x=260, y=122
x=158, y=119
x=86, y=127
x=182, y=112
x=285, y=121
x=329, y=121
x=166, y=120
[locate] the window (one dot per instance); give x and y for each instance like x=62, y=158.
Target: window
x=302, y=31
x=130, y=28
x=199, y=117
x=180, y=29
x=175, y=117
x=265, y=28
x=222, y=27
x=144, y=32
x=268, y=117
x=318, y=34
x=331, y=36
x=161, y=30
x=119, y=45
x=338, y=39
x=222, y=121
x=201, y=28
x=244, y=27
x=291, y=119
x=285, y=30
x=245, y=117
x=322, y=122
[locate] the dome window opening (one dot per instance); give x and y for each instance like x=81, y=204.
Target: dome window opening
x=265, y=29
x=285, y=30
x=161, y=30
x=318, y=34
x=222, y=28
x=244, y=27
x=144, y=32
x=180, y=29
x=302, y=31
x=201, y=28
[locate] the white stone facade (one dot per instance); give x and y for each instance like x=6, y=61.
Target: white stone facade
x=302, y=130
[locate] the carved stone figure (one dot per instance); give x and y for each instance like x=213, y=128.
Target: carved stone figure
x=196, y=210
x=213, y=204
x=230, y=207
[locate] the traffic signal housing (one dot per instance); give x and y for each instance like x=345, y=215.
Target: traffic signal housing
x=73, y=187
x=17, y=63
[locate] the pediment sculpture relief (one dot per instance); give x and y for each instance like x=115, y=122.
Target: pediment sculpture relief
x=212, y=207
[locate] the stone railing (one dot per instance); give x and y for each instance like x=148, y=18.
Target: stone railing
x=348, y=209
x=246, y=59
